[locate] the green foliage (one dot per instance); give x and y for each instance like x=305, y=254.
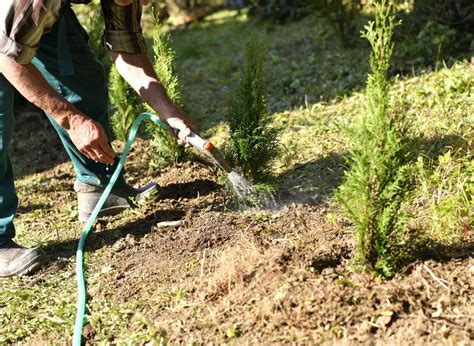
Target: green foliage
x=126, y=103
x=376, y=188
x=434, y=42
x=252, y=145
x=165, y=149
x=434, y=31
x=341, y=13
x=457, y=14
x=277, y=10
x=445, y=195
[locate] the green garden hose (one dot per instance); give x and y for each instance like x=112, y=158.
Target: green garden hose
x=81, y=285
x=192, y=139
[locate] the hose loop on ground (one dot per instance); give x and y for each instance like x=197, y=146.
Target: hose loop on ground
x=81, y=284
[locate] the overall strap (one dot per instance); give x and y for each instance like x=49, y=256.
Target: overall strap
x=66, y=67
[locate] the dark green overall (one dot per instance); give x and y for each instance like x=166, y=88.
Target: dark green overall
x=67, y=63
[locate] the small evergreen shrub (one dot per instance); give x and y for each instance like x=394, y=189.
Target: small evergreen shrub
x=165, y=149
x=126, y=103
x=253, y=144
x=376, y=188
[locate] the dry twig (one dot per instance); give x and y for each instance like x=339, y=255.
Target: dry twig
x=442, y=282
x=202, y=263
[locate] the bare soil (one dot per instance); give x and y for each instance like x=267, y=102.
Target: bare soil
x=259, y=277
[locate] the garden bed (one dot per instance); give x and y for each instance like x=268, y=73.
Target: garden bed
x=284, y=275
x=220, y=274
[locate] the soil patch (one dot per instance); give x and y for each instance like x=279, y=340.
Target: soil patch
x=255, y=277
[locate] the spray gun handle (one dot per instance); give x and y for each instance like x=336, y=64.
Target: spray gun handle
x=196, y=141
x=208, y=148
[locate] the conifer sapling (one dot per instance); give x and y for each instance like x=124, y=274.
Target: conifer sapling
x=252, y=145
x=164, y=147
x=375, y=190
x=126, y=103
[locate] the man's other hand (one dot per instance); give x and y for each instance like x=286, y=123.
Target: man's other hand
x=90, y=139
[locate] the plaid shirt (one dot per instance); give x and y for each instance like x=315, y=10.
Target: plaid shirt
x=23, y=22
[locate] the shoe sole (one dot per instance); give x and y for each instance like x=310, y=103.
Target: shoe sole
x=150, y=191
x=84, y=215
x=33, y=266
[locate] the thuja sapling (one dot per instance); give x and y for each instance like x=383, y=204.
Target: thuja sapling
x=165, y=149
x=126, y=105
x=375, y=190
x=252, y=145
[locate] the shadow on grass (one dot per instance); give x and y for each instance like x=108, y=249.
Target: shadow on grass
x=433, y=148
x=23, y=209
x=312, y=182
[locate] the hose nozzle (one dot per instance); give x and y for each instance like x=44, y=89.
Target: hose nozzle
x=210, y=150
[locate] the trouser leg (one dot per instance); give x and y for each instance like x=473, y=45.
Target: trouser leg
x=83, y=84
x=8, y=197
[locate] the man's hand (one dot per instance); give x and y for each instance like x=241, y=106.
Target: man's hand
x=88, y=136
x=90, y=139
x=181, y=122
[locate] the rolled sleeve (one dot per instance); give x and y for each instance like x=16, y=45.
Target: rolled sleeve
x=124, y=41
x=20, y=53
x=123, y=32
x=21, y=27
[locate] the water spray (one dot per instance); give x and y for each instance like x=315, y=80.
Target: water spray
x=241, y=187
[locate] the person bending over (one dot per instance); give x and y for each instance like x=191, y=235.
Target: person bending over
x=45, y=56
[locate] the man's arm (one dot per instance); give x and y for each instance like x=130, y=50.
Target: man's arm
x=124, y=40
x=87, y=135
x=138, y=71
